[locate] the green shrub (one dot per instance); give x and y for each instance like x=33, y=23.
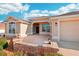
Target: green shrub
x=53, y=54
x=3, y=43
x=2, y=53
x=1, y=48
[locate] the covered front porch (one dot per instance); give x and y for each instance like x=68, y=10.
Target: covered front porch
x=41, y=28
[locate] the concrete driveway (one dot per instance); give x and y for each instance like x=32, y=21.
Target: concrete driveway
x=69, y=45
x=69, y=48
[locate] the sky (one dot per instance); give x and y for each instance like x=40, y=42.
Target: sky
x=30, y=10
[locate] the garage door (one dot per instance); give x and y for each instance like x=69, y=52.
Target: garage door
x=69, y=30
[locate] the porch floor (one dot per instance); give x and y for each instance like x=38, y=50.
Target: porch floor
x=33, y=40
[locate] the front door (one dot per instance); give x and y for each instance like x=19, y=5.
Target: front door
x=37, y=30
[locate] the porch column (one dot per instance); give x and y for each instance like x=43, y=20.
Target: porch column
x=40, y=28
x=50, y=24
x=6, y=28
x=31, y=28
x=58, y=30
x=52, y=29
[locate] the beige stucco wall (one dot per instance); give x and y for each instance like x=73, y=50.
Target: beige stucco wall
x=17, y=29
x=28, y=32
x=54, y=29
x=23, y=29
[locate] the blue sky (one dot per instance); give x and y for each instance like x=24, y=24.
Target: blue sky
x=29, y=10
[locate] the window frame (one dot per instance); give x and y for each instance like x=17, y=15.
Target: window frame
x=12, y=29
x=46, y=28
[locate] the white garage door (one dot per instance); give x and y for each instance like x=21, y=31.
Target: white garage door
x=69, y=30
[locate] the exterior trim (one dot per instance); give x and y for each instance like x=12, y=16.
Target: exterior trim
x=65, y=17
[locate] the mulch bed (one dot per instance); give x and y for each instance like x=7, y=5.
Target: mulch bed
x=34, y=51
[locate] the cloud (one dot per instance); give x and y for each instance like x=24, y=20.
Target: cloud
x=1, y=21
x=31, y=15
x=13, y=7
x=3, y=11
x=36, y=13
x=20, y=7
x=56, y=12
x=65, y=9
x=68, y=8
x=6, y=8
x=45, y=11
x=61, y=10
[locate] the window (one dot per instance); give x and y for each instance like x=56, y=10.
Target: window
x=12, y=27
x=45, y=28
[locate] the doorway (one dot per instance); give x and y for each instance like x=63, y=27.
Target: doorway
x=36, y=28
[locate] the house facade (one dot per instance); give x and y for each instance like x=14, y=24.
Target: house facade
x=66, y=27
x=63, y=27
x=15, y=27
x=21, y=28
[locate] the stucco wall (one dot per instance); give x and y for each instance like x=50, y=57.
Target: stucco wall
x=54, y=29
x=17, y=28
x=23, y=29
x=28, y=32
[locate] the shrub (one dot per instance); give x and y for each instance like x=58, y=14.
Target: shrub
x=53, y=54
x=2, y=53
x=1, y=48
x=3, y=43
